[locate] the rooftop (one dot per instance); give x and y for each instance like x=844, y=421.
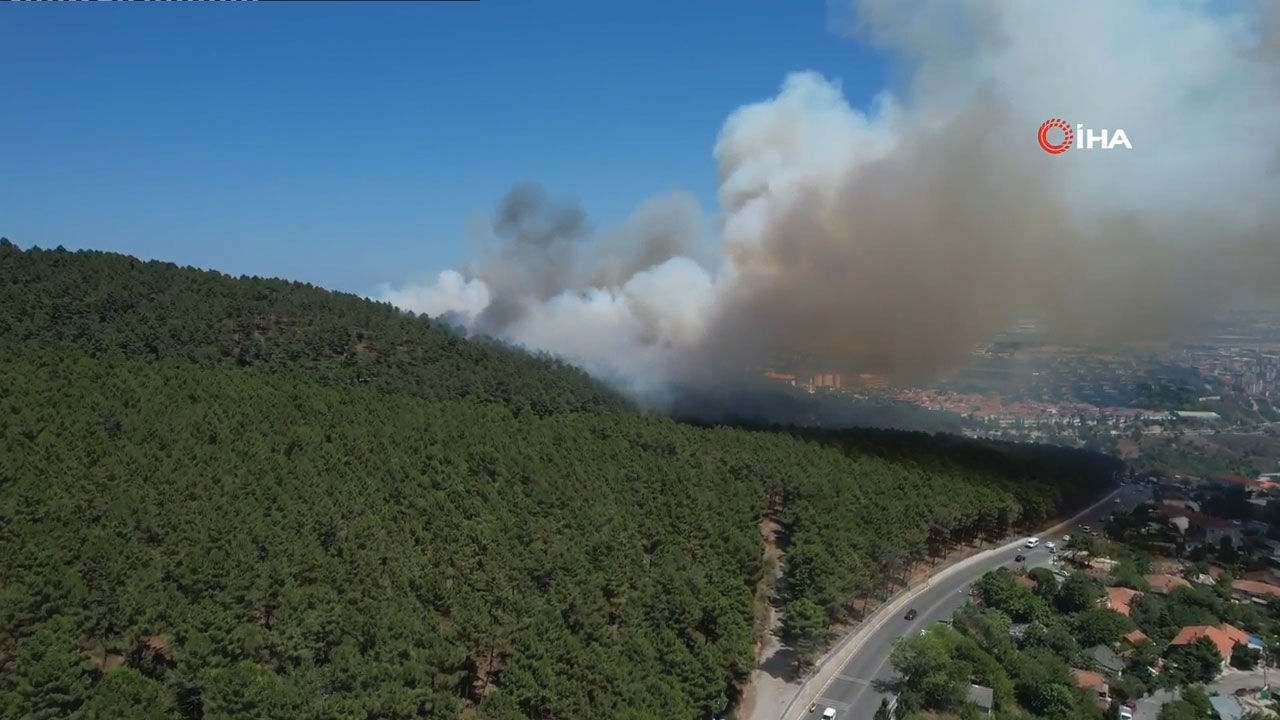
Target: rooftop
x=1090, y=680
x=1106, y=658
x=1227, y=707
x=1254, y=587
x=1135, y=637
x=981, y=696
x=1223, y=639
x=1119, y=599
x=1165, y=584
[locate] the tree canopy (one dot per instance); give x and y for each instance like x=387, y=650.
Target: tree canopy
x=241, y=498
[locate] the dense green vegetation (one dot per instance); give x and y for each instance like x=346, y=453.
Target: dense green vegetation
x=1061, y=623
x=1029, y=672
x=1183, y=453
x=246, y=498
x=114, y=305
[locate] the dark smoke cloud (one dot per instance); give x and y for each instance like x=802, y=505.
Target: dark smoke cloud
x=535, y=258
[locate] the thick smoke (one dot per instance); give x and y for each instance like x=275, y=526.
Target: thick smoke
x=890, y=241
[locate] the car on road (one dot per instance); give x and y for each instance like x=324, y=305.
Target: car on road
x=1126, y=713
x=911, y=614
x=1051, y=547
x=828, y=714
x=1032, y=542
x=1020, y=558
x=1086, y=529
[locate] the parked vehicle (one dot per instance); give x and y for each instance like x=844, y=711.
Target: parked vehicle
x=1020, y=558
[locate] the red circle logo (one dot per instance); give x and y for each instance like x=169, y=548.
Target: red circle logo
x=1068, y=136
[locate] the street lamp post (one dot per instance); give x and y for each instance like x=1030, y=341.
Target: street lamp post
x=1266, y=687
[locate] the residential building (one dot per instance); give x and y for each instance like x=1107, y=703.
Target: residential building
x=1165, y=584
x=1227, y=707
x=1213, y=530
x=1240, y=637
x=1225, y=638
x=1255, y=590
x=1135, y=638
x=983, y=697
x=1119, y=599
x=1178, y=503
x=1266, y=575
x=1107, y=660
x=1094, y=684
x=1103, y=564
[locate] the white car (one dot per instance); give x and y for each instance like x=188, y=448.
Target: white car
x=1050, y=546
x=1126, y=713
x=828, y=714
x=1032, y=542
x=1066, y=538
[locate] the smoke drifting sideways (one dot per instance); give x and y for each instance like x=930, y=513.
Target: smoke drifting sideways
x=891, y=240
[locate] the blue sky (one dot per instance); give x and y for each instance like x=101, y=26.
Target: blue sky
x=349, y=144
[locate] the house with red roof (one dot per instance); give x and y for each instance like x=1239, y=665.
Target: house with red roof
x=1136, y=637
x=1212, y=530
x=1095, y=684
x=1165, y=584
x=1255, y=590
x=1224, y=637
x=1119, y=599
x=1246, y=482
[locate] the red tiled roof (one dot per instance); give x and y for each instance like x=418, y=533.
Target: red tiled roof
x=1240, y=480
x=1135, y=637
x=1165, y=584
x=1089, y=680
x=1119, y=598
x=1191, y=634
x=1253, y=587
x=1237, y=635
x=1209, y=522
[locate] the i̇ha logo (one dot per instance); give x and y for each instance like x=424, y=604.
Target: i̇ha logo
x=1082, y=137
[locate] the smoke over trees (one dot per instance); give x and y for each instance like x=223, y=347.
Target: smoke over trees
x=891, y=240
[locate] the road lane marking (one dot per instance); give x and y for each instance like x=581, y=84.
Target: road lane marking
x=946, y=597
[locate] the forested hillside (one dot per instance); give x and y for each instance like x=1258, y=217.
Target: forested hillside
x=109, y=304
x=239, y=498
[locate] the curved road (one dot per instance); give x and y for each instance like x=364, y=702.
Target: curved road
x=852, y=693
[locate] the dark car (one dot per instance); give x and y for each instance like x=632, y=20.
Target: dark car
x=911, y=614
x=1020, y=558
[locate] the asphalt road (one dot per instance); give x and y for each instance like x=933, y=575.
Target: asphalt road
x=853, y=693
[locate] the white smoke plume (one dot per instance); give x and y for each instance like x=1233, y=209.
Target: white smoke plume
x=890, y=241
